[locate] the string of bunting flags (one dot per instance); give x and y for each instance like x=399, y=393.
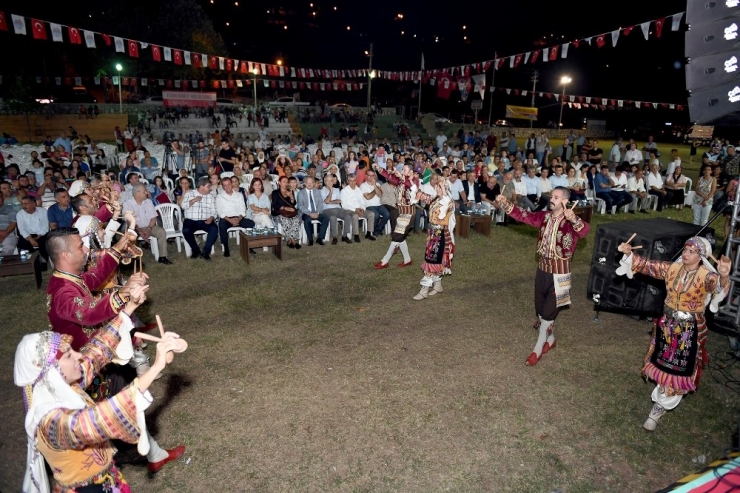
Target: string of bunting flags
x=40, y=30
x=586, y=102
x=186, y=84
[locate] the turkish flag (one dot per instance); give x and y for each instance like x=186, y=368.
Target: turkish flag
x=177, y=57
x=156, y=53
x=213, y=62
x=168, y=83
x=600, y=41
x=39, y=30
x=576, y=42
x=288, y=85
x=659, y=23
x=196, y=60
x=554, y=53
x=517, y=61
x=106, y=39
x=229, y=64
x=202, y=84
x=133, y=49
x=628, y=30
x=535, y=56
x=230, y=84
x=243, y=67
x=3, y=22
x=74, y=36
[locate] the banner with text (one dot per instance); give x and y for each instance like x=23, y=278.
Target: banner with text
x=187, y=98
x=521, y=112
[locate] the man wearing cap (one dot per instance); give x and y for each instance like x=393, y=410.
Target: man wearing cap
x=676, y=352
x=712, y=157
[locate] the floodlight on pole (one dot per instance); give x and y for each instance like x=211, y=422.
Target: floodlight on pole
x=564, y=80
x=119, y=67
x=256, y=72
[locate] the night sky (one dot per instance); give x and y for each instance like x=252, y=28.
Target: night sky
x=334, y=34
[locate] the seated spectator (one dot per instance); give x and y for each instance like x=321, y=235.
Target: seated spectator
x=520, y=186
x=33, y=225
x=285, y=211
x=311, y=206
x=331, y=196
x=8, y=239
x=146, y=220
x=619, y=181
x=199, y=209
x=457, y=191
x=636, y=188
x=676, y=183
x=232, y=210
x=488, y=194
x=353, y=201
x=128, y=167
x=558, y=179
x=162, y=195
x=656, y=187
x=149, y=166
x=258, y=205
x=11, y=199
x=377, y=214
x=60, y=214
x=576, y=185
x=603, y=185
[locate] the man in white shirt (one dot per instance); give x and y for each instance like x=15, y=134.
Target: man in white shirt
x=633, y=156
x=199, y=209
x=619, y=186
x=146, y=220
x=457, y=192
x=615, y=155
x=534, y=190
x=650, y=145
x=353, y=201
x=656, y=187
x=33, y=224
x=232, y=212
x=636, y=188
x=521, y=192
x=441, y=139
x=558, y=179
x=377, y=214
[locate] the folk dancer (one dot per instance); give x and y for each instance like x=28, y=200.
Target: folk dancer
x=406, y=187
x=440, y=246
x=676, y=353
x=559, y=232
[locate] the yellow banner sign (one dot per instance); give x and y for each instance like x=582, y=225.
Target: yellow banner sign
x=521, y=112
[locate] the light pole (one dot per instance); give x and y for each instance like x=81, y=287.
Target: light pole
x=564, y=80
x=370, y=76
x=120, y=98
x=255, y=71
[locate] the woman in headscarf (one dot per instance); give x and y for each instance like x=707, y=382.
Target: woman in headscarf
x=676, y=354
x=63, y=425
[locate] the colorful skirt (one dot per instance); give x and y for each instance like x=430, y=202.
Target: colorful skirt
x=676, y=354
x=109, y=481
x=438, y=255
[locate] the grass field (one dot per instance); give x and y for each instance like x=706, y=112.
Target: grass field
x=319, y=373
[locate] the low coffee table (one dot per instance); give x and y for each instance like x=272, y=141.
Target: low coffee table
x=584, y=213
x=13, y=266
x=479, y=222
x=274, y=241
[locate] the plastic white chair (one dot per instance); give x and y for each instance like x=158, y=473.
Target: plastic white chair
x=168, y=183
x=171, y=222
x=227, y=174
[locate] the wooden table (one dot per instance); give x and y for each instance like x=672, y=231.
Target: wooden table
x=479, y=222
x=13, y=266
x=584, y=212
x=274, y=241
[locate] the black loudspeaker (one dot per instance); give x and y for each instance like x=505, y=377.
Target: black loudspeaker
x=700, y=11
x=713, y=37
x=712, y=70
x=661, y=239
x=716, y=104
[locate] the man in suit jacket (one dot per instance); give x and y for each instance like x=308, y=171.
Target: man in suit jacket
x=311, y=206
x=472, y=190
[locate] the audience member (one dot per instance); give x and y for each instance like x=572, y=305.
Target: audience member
x=146, y=220
x=33, y=225
x=284, y=209
x=199, y=209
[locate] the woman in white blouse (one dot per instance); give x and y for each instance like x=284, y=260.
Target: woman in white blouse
x=258, y=205
x=675, y=162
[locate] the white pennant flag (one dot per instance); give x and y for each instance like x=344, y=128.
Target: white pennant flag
x=588, y=40
x=672, y=106
x=263, y=69
x=186, y=55
x=281, y=84
x=564, y=50
x=676, y=21
x=144, y=82
x=221, y=62
x=620, y=103
x=637, y=104
x=526, y=57
x=178, y=84
x=479, y=82
x=38, y=80
x=508, y=91
x=588, y=99
x=572, y=98
x=292, y=71
x=655, y=105
x=545, y=54
x=19, y=24
x=570, y=105
x=194, y=84
x=239, y=83
x=310, y=73
x=56, y=32
x=266, y=83
x=204, y=60
x=78, y=81
x=349, y=87
x=645, y=26
x=114, y=79
x=524, y=93
x=58, y=80
x=119, y=45
x=615, y=37
x=161, y=82
x=282, y=71
x=97, y=80
x=89, y=38
x=557, y=96
x=167, y=54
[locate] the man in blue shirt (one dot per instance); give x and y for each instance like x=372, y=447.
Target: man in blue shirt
x=603, y=187
x=63, y=141
x=534, y=190
x=60, y=214
x=558, y=179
